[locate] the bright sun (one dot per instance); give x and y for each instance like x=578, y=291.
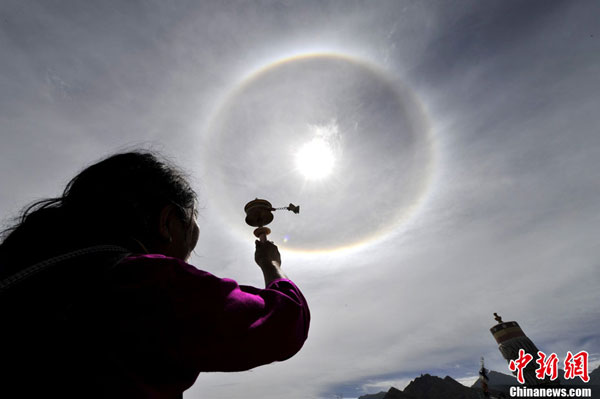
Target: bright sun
x=315, y=159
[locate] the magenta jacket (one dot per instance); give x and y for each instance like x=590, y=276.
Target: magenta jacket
x=178, y=321
x=143, y=328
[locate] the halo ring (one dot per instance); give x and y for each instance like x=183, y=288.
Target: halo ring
x=425, y=188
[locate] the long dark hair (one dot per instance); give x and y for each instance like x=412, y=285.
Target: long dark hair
x=115, y=201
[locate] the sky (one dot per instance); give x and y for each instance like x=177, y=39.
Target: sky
x=452, y=172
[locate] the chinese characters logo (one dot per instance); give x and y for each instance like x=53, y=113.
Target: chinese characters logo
x=576, y=365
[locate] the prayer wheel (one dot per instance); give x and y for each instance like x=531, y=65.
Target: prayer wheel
x=259, y=213
x=510, y=338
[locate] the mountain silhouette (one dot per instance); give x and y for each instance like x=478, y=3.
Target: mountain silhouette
x=431, y=387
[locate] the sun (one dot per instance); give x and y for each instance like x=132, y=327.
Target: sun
x=315, y=159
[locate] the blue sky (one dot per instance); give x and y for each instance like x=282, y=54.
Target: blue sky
x=465, y=142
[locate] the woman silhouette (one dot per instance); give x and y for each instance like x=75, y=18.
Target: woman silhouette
x=97, y=299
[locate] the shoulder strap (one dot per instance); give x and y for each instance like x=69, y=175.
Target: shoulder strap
x=118, y=253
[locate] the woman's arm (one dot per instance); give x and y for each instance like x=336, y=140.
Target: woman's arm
x=267, y=257
x=208, y=323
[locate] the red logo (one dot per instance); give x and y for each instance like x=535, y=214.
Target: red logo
x=520, y=364
x=548, y=366
x=577, y=366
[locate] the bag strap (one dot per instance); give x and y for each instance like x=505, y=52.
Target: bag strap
x=35, y=269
